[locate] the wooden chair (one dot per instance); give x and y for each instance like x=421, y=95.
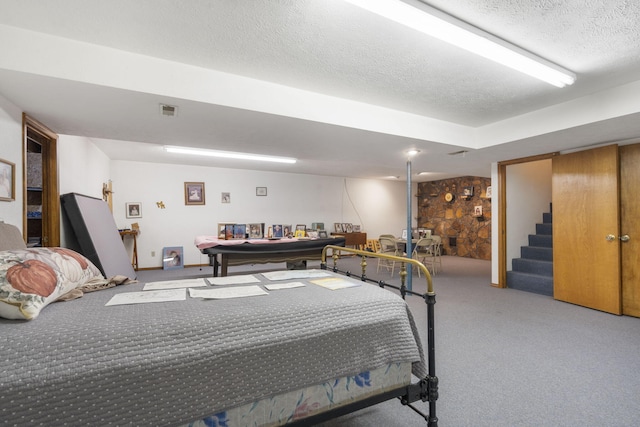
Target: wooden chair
x=373, y=245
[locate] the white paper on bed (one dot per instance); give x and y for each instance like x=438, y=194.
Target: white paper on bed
x=277, y=286
x=174, y=284
x=233, y=280
x=231, y=292
x=295, y=274
x=144, y=297
x=335, y=283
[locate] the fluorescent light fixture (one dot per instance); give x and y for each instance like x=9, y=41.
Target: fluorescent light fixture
x=438, y=24
x=228, y=154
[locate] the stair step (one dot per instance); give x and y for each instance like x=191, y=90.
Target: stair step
x=530, y=283
x=541, y=240
x=544, y=229
x=536, y=252
x=547, y=218
x=534, y=266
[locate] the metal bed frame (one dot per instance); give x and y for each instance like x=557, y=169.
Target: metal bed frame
x=426, y=389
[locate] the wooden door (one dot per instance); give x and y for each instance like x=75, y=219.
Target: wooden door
x=630, y=226
x=586, y=249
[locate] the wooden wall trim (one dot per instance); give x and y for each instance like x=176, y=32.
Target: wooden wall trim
x=51, y=197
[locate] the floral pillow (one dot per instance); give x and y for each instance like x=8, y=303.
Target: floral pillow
x=32, y=278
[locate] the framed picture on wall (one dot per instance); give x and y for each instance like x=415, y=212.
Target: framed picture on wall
x=7, y=180
x=488, y=193
x=134, y=210
x=172, y=258
x=194, y=193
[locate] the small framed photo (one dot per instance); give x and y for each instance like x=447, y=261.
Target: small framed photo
x=322, y=234
x=256, y=231
x=134, y=210
x=222, y=229
x=277, y=231
x=240, y=231
x=261, y=191
x=172, y=258
x=347, y=227
x=228, y=231
x=301, y=231
x=194, y=193
x=467, y=191
x=477, y=211
x=7, y=180
x=225, y=198
x=287, y=231
x=337, y=227
x=488, y=193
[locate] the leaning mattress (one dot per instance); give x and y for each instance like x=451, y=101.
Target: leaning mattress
x=84, y=363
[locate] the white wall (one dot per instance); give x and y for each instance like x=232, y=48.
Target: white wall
x=82, y=168
x=11, y=150
x=528, y=196
x=378, y=206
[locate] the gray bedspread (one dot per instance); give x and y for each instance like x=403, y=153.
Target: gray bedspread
x=164, y=364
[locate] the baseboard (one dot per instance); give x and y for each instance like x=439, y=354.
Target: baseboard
x=186, y=266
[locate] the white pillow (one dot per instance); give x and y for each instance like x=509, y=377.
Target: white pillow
x=32, y=278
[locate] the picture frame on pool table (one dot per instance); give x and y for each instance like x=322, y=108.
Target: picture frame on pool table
x=256, y=231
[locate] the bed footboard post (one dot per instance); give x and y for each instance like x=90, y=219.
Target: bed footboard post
x=431, y=350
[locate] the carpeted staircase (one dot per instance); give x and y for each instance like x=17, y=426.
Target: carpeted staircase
x=533, y=272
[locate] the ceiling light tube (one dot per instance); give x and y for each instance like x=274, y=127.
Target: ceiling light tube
x=228, y=154
x=438, y=24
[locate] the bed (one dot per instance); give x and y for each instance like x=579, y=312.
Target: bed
x=295, y=355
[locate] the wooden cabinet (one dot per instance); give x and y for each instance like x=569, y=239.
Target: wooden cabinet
x=355, y=240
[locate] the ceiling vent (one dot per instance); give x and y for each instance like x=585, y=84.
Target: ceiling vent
x=457, y=153
x=168, y=110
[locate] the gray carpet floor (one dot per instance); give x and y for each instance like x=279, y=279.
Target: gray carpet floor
x=506, y=357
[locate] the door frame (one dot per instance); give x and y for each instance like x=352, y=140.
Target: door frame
x=502, y=212
x=50, y=193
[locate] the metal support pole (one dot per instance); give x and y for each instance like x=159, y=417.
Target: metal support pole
x=409, y=249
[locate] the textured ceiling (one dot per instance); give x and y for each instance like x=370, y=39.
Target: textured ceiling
x=333, y=49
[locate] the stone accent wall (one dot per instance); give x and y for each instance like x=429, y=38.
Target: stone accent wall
x=464, y=232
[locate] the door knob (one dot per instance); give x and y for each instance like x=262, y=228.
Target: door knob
x=610, y=237
x=624, y=238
